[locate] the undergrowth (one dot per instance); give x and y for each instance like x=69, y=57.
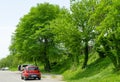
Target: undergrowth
x=98, y=70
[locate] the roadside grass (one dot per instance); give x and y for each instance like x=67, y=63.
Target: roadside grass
x=101, y=70
x=43, y=76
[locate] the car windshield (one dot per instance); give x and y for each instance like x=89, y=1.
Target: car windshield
x=33, y=68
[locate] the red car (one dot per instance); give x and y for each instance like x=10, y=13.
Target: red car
x=31, y=72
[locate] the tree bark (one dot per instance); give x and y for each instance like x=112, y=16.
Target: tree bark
x=35, y=61
x=86, y=55
x=47, y=66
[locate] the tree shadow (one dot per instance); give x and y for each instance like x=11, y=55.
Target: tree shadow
x=61, y=67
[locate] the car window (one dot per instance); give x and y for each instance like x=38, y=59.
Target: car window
x=24, y=65
x=33, y=68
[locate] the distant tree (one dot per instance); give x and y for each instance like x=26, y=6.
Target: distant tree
x=7, y=61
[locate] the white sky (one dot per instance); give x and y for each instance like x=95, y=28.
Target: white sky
x=10, y=13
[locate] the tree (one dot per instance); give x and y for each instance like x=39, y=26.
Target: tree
x=81, y=12
x=67, y=36
x=106, y=19
x=33, y=39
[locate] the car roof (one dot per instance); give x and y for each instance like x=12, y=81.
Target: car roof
x=31, y=66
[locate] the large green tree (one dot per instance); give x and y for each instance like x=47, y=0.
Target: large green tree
x=81, y=11
x=33, y=38
x=67, y=36
x=106, y=19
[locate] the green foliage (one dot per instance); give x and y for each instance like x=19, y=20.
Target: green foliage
x=9, y=61
x=100, y=70
x=58, y=39
x=34, y=38
x=108, y=29
x=67, y=37
x=81, y=13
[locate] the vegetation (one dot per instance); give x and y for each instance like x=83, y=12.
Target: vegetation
x=101, y=70
x=64, y=41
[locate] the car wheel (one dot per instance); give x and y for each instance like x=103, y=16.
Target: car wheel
x=22, y=77
x=39, y=78
x=25, y=78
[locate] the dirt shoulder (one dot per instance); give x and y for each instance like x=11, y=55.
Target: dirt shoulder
x=53, y=77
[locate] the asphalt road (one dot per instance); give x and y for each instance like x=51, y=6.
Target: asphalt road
x=8, y=76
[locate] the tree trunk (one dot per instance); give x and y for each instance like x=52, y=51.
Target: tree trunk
x=110, y=54
x=47, y=66
x=118, y=55
x=77, y=59
x=35, y=61
x=86, y=55
x=101, y=54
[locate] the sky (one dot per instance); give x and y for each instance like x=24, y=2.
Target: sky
x=10, y=13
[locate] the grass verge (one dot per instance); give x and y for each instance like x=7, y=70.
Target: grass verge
x=100, y=70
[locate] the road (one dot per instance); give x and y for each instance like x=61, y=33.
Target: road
x=8, y=76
